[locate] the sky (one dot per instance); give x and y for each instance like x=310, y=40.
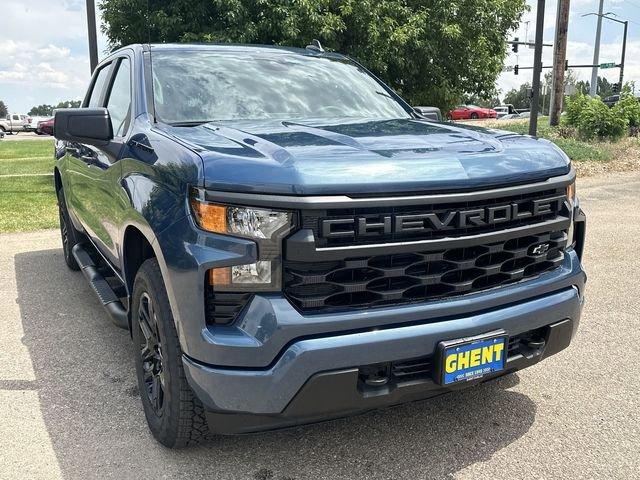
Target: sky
x=44, y=48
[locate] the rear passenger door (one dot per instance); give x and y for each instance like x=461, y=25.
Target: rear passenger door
x=97, y=192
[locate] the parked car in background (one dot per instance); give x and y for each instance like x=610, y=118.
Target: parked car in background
x=13, y=123
x=45, y=127
x=510, y=116
x=32, y=126
x=612, y=100
x=506, y=109
x=472, y=112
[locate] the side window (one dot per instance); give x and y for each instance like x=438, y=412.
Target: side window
x=98, y=86
x=16, y=117
x=119, y=103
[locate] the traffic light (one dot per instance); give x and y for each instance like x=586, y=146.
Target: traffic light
x=615, y=88
x=515, y=69
x=514, y=46
x=566, y=65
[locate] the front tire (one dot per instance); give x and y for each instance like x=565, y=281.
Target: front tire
x=174, y=415
x=474, y=116
x=69, y=235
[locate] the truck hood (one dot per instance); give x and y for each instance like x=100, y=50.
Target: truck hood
x=365, y=156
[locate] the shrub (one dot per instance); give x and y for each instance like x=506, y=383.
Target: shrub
x=628, y=107
x=575, y=105
x=597, y=120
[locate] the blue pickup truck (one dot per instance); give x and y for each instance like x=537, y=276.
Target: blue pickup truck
x=288, y=241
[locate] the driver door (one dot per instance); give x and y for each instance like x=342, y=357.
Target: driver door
x=98, y=200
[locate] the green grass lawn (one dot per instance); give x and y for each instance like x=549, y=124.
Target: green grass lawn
x=26, y=156
x=29, y=202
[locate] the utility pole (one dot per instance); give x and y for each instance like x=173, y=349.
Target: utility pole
x=559, y=62
x=93, y=37
x=593, y=90
x=537, y=68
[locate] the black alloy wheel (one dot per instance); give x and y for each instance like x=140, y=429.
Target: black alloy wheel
x=151, y=354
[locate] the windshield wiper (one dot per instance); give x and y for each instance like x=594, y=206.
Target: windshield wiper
x=191, y=123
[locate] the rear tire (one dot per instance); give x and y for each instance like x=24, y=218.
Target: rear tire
x=175, y=416
x=69, y=235
x=474, y=116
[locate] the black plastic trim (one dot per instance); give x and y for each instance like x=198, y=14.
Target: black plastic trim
x=579, y=232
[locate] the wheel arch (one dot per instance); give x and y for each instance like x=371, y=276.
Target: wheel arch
x=136, y=248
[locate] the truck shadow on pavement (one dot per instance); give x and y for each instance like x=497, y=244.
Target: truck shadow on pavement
x=89, y=402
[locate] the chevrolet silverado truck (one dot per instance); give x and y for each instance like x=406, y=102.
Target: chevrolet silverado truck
x=288, y=241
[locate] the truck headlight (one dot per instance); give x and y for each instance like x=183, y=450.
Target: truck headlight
x=266, y=227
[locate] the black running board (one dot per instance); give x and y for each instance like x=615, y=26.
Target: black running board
x=101, y=287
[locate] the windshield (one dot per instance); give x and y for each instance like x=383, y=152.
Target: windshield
x=200, y=86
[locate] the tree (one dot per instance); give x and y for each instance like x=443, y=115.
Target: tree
x=3, y=110
x=519, y=98
x=41, y=111
x=69, y=104
x=47, y=110
x=605, y=88
x=431, y=52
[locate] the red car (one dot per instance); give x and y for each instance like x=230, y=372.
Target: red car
x=462, y=112
x=45, y=127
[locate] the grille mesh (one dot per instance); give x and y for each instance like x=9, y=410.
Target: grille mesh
x=380, y=280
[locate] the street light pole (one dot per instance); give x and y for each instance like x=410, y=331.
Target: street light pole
x=596, y=54
x=624, y=40
x=93, y=37
x=624, y=50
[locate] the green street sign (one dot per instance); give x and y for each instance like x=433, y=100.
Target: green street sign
x=608, y=65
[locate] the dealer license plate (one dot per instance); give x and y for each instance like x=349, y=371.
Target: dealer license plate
x=472, y=358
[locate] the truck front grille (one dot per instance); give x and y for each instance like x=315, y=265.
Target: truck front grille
x=375, y=281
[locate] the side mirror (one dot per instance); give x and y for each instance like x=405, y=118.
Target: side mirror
x=83, y=125
x=430, y=113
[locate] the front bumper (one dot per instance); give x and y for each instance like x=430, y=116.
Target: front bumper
x=318, y=378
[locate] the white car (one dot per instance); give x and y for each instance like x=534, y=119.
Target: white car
x=33, y=123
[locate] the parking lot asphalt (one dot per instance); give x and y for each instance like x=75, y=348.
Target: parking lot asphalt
x=25, y=136
x=69, y=405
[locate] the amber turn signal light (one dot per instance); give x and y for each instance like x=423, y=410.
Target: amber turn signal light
x=210, y=216
x=220, y=276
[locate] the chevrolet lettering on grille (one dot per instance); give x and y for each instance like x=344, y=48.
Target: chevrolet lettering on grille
x=360, y=226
